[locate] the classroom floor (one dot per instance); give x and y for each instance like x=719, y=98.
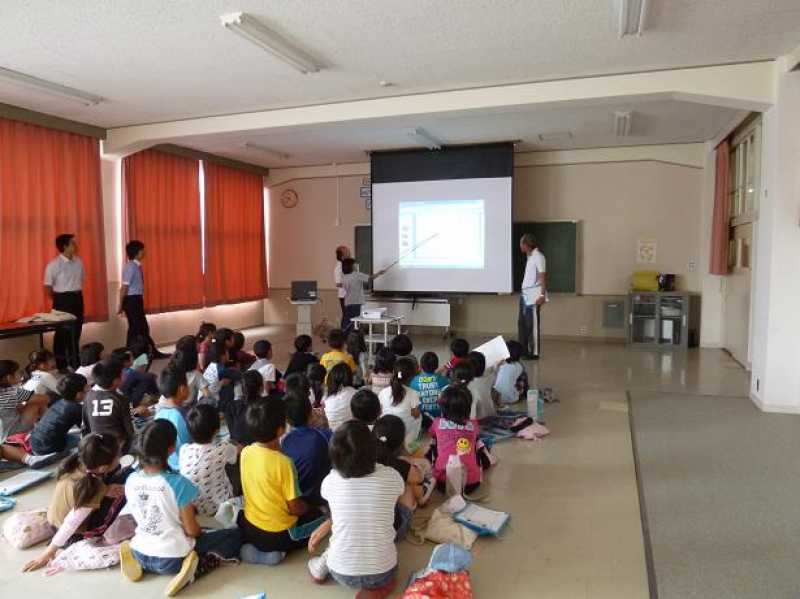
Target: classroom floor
x=575, y=528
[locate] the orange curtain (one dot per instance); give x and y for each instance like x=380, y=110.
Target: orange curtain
x=235, y=238
x=49, y=184
x=720, y=225
x=162, y=210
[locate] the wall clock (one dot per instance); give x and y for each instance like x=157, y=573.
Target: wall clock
x=289, y=198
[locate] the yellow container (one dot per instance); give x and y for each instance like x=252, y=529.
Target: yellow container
x=645, y=280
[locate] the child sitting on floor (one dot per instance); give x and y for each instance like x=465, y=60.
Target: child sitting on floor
x=243, y=359
x=168, y=539
x=339, y=391
x=272, y=501
x=263, y=364
x=40, y=373
x=50, y=435
x=175, y=391
x=337, y=354
x=204, y=462
x=218, y=376
x=402, y=347
x=512, y=381
x=429, y=384
x=316, y=373
x=455, y=434
x=365, y=407
x=481, y=387
x=308, y=447
x=185, y=358
x=139, y=348
x=82, y=502
x=104, y=410
x=138, y=386
x=383, y=370
x=459, y=349
x=203, y=339
x=390, y=433
x=401, y=400
x=235, y=410
x=362, y=495
x=90, y=355
x=300, y=385
x=357, y=348
x=302, y=357
x=19, y=409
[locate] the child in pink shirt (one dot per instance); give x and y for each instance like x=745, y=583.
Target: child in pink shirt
x=455, y=434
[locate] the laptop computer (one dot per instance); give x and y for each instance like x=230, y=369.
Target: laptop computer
x=304, y=291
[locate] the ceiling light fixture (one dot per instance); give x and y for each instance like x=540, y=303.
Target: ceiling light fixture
x=56, y=89
x=622, y=123
x=632, y=17
x=254, y=31
x=265, y=150
x=424, y=138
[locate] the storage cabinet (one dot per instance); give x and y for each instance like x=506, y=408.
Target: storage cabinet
x=664, y=319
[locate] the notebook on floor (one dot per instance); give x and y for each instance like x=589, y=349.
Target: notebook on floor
x=482, y=520
x=23, y=480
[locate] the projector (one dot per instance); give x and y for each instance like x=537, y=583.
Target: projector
x=373, y=313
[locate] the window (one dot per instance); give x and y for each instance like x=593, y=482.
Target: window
x=744, y=172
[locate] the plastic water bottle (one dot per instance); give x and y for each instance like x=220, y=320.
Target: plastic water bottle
x=532, y=401
x=540, y=409
x=456, y=476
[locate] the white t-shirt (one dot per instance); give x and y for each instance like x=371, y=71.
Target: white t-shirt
x=506, y=381
x=204, y=465
x=482, y=404
x=362, y=514
x=403, y=410
x=337, y=279
x=337, y=407
x=41, y=382
x=86, y=372
x=155, y=502
x=531, y=289
x=265, y=368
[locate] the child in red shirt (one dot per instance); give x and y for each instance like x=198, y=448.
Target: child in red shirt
x=460, y=349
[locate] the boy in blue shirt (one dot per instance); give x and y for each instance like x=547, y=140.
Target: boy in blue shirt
x=429, y=384
x=175, y=389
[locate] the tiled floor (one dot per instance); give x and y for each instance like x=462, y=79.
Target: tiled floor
x=575, y=530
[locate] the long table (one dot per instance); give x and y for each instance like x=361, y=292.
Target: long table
x=10, y=330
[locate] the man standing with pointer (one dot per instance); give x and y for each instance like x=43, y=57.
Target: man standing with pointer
x=532, y=295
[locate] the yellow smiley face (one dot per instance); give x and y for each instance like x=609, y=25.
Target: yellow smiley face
x=463, y=446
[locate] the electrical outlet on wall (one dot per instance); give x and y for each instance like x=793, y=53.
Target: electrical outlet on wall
x=692, y=265
x=583, y=331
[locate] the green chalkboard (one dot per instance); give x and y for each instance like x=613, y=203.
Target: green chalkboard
x=363, y=248
x=558, y=241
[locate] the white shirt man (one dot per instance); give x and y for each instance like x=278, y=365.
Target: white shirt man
x=533, y=294
x=63, y=282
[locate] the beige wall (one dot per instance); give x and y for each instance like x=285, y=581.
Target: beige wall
x=165, y=328
x=616, y=202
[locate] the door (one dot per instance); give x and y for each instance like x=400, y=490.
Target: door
x=736, y=302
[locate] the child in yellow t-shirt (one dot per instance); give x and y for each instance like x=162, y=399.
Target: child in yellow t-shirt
x=336, y=339
x=274, y=511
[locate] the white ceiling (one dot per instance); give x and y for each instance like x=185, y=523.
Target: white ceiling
x=667, y=121
x=157, y=60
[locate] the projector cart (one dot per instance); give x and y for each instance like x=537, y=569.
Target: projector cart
x=375, y=338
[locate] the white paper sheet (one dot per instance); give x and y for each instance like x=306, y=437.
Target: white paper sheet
x=495, y=351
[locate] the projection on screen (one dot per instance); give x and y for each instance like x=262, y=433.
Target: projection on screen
x=424, y=243
x=442, y=219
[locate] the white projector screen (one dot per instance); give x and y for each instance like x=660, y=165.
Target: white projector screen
x=450, y=236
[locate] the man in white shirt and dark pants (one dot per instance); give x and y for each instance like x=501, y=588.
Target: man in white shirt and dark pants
x=342, y=253
x=63, y=282
x=533, y=295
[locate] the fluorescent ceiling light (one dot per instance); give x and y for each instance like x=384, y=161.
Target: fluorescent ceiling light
x=265, y=150
x=622, y=123
x=424, y=138
x=632, y=16
x=262, y=36
x=555, y=136
x=55, y=89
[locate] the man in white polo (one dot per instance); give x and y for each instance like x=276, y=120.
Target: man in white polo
x=533, y=295
x=63, y=282
x=342, y=253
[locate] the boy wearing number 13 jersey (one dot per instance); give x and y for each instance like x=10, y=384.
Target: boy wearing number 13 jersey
x=104, y=410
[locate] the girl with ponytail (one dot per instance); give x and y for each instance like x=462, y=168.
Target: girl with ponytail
x=39, y=373
x=401, y=400
x=82, y=501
